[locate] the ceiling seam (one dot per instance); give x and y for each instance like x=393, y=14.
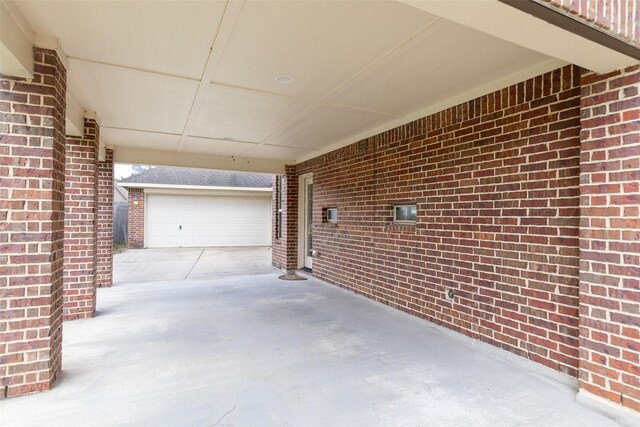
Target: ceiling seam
x=200, y=137
x=295, y=98
x=139, y=130
x=213, y=60
x=521, y=75
x=346, y=82
x=223, y=139
x=134, y=69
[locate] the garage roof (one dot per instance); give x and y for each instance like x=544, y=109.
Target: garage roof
x=198, y=177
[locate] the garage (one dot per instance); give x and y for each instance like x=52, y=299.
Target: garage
x=200, y=221
x=185, y=207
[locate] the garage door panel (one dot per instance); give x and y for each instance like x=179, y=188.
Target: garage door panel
x=207, y=221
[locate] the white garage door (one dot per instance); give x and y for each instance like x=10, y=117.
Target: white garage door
x=195, y=221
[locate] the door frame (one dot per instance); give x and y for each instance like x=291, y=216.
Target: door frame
x=302, y=199
x=145, y=234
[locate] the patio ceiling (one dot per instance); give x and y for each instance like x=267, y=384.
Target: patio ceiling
x=194, y=83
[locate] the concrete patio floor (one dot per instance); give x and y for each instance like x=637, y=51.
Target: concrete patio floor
x=252, y=350
x=158, y=264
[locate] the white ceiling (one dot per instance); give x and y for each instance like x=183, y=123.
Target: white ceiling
x=199, y=77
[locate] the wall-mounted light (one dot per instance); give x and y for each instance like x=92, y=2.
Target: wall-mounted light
x=135, y=200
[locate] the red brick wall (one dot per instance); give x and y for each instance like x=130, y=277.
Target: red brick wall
x=32, y=157
x=135, y=225
x=496, y=181
x=284, y=253
x=104, y=268
x=80, y=217
x=610, y=237
x=277, y=250
x=621, y=18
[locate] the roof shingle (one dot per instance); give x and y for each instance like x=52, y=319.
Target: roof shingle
x=202, y=177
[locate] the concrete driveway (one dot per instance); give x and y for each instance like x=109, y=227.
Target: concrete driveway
x=257, y=351
x=152, y=265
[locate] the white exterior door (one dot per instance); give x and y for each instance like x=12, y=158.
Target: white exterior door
x=305, y=224
x=308, y=222
x=198, y=221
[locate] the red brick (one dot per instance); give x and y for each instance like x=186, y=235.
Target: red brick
x=616, y=17
x=608, y=246
x=104, y=266
x=34, y=171
x=472, y=219
x=81, y=200
x=135, y=224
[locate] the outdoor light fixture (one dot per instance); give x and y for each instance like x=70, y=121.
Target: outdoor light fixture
x=135, y=200
x=285, y=79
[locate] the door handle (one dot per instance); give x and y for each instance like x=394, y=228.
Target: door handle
x=180, y=227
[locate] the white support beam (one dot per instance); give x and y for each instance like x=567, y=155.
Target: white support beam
x=16, y=42
x=52, y=43
x=510, y=24
x=102, y=144
x=195, y=160
x=74, y=123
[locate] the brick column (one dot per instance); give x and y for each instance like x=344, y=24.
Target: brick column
x=135, y=226
x=104, y=268
x=80, y=221
x=32, y=150
x=610, y=237
x=285, y=250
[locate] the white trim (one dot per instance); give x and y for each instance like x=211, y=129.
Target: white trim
x=16, y=42
x=102, y=149
x=120, y=190
x=195, y=187
x=146, y=156
x=144, y=219
x=209, y=193
x=505, y=22
x=74, y=120
x=19, y=19
x=102, y=153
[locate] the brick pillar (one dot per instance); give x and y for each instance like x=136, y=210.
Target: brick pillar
x=135, y=226
x=610, y=238
x=277, y=196
x=80, y=222
x=32, y=146
x=285, y=250
x=104, y=269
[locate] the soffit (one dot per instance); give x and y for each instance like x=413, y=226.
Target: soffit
x=198, y=78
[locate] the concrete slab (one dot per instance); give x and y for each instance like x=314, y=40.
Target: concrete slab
x=158, y=264
x=258, y=351
x=152, y=265
x=224, y=262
